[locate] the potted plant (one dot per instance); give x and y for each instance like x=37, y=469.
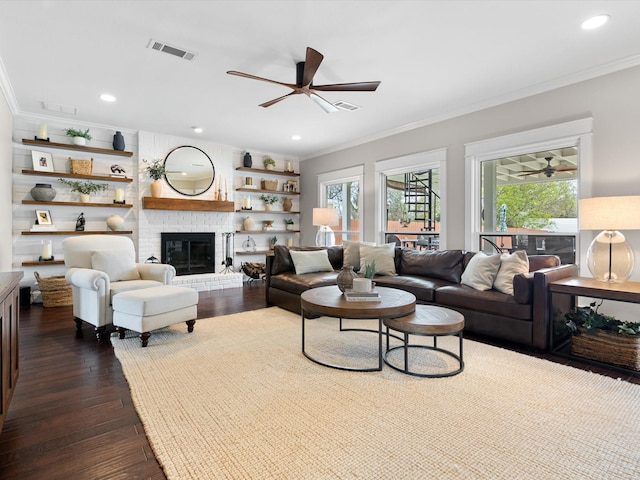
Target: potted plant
x=288, y=223
x=84, y=188
x=272, y=242
x=79, y=137
x=156, y=171
x=269, y=163
x=370, y=270
x=269, y=199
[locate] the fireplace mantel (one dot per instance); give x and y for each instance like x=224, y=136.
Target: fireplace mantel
x=155, y=203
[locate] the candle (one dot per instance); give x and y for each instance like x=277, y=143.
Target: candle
x=46, y=249
x=42, y=132
x=119, y=195
x=289, y=169
x=247, y=203
x=225, y=185
x=289, y=242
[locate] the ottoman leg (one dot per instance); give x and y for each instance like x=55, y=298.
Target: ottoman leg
x=121, y=331
x=190, y=324
x=144, y=338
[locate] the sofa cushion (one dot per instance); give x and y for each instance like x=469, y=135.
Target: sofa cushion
x=537, y=262
x=382, y=255
x=443, y=264
x=422, y=287
x=352, y=253
x=481, y=271
x=282, y=261
x=118, y=263
x=309, y=262
x=488, y=301
x=510, y=266
x=296, y=284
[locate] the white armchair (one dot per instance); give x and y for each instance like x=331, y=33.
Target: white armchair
x=99, y=267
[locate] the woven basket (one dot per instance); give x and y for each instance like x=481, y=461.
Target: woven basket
x=608, y=348
x=81, y=167
x=269, y=185
x=56, y=292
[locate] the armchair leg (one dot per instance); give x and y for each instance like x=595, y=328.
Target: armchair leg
x=190, y=324
x=144, y=338
x=100, y=332
x=121, y=331
x=78, y=327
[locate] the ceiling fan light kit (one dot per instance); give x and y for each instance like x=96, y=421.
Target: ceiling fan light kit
x=305, y=71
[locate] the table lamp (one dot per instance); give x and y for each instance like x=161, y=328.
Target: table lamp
x=610, y=257
x=323, y=217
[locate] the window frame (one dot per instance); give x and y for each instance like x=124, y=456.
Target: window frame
x=340, y=177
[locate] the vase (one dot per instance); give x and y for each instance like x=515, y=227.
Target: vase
x=118, y=141
x=248, y=224
x=269, y=166
x=43, y=192
x=268, y=207
x=79, y=141
x=246, y=161
x=287, y=204
x=85, y=198
x=345, y=278
x=115, y=222
x=156, y=189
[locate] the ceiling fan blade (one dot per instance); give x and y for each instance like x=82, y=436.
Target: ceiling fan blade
x=311, y=64
x=348, y=87
x=530, y=172
x=566, y=169
x=324, y=104
x=276, y=100
x=253, y=77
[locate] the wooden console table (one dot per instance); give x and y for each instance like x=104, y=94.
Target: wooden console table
x=589, y=287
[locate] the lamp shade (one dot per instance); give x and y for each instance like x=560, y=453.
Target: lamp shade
x=325, y=216
x=610, y=213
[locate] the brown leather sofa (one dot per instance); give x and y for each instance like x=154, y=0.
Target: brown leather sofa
x=434, y=278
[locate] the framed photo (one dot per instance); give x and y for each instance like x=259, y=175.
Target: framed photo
x=42, y=162
x=43, y=217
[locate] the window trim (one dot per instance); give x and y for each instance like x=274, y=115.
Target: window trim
x=351, y=174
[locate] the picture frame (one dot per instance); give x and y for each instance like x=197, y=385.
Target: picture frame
x=43, y=217
x=42, y=161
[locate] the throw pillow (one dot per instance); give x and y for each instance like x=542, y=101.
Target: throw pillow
x=383, y=255
x=510, y=266
x=311, y=261
x=481, y=271
x=352, y=253
x=118, y=264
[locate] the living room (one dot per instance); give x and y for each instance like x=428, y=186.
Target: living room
x=604, y=96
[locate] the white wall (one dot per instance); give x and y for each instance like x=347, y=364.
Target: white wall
x=6, y=163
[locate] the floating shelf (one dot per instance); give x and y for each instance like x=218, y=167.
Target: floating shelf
x=255, y=252
x=37, y=263
x=267, y=231
x=105, y=178
x=268, y=172
x=68, y=146
x=81, y=204
x=154, y=203
x=75, y=232
x=257, y=190
x=266, y=211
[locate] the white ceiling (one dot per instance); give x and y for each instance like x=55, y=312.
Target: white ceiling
x=435, y=59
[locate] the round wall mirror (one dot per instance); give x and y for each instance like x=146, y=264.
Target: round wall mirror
x=189, y=170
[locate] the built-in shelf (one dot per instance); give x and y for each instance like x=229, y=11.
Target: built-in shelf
x=155, y=203
x=81, y=204
x=253, y=210
x=258, y=190
x=86, y=232
x=268, y=172
x=255, y=252
x=267, y=231
x=105, y=178
x=38, y=263
x=69, y=146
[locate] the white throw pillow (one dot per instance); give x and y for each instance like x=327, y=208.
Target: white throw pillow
x=383, y=255
x=351, y=252
x=510, y=266
x=481, y=271
x=118, y=264
x=311, y=261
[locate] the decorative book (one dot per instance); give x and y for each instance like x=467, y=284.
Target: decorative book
x=352, y=296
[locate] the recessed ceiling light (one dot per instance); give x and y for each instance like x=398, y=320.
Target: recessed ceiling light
x=197, y=129
x=296, y=137
x=105, y=97
x=595, y=22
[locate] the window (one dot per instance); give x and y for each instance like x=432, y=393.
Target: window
x=342, y=190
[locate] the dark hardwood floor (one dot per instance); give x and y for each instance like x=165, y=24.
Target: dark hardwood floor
x=72, y=417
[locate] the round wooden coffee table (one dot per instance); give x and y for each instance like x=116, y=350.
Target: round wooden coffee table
x=431, y=321
x=329, y=302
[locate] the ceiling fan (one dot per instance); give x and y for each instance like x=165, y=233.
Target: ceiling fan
x=548, y=170
x=304, y=78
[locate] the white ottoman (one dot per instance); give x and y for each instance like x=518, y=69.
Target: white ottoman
x=155, y=307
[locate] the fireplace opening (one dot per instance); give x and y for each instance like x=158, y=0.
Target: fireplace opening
x=189, y=253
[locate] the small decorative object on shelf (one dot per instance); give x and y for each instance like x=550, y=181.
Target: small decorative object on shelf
x=79, y=137
x=118, y=171
x=248, y=224
x=80, y=223
x=269, y=163
x=47, y=255
x=287, y=204
x=288, y=223
x=43, y=192
x=42, y=133
x=246, y=203
x=267, y=225
x=345, y=278
x=80, y=166
x=246, y=160
x=156, y=171
x=119, y=196
x=118, y=141
x=289, y=168
x=272, y=242
x=115, y=222
x=249, y=245
x=269, y=199
x=84, y=188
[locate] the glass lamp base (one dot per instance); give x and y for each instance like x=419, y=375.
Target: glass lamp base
x=610, y=257
x=325, y=237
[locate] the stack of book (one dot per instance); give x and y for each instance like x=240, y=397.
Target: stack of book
x=352, y=296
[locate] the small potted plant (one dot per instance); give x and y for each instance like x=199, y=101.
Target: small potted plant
x=79, y=137
x=269, y=163
x=269, y=199
x=272, y=242
x=156, y=171
x=84, y=188
x=370, y=270
x=288, y=223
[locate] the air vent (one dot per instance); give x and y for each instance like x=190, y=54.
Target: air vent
x=346, y=106
x=171, y=49
x=56, y=107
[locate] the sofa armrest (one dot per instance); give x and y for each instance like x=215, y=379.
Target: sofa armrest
x=160, y=272
x=88, y=279
x=542, y=300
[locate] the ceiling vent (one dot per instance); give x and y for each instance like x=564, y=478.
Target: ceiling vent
x=342, y=105
x=57, y=108
x=170, y=49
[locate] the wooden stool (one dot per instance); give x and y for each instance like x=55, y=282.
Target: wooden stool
x=431, y=321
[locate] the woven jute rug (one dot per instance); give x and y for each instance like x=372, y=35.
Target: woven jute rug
x=236, y=399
